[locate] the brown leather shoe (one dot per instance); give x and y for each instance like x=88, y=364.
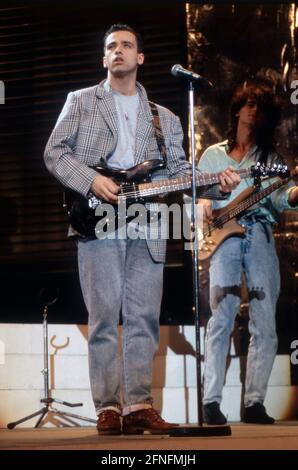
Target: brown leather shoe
x=146, y=420
x=109, y=423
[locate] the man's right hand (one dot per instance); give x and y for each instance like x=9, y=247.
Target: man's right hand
x=105, y=188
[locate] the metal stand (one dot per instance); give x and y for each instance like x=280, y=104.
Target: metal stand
x=48, y=400
x=199, y=430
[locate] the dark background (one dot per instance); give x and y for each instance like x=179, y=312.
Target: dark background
x=48, y=49
x=228, y=44
x=231, y=43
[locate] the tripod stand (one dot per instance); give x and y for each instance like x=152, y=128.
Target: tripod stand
x=48, y=400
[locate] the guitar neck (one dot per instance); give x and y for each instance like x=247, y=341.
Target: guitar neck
x=176, y=184
x=244, y=205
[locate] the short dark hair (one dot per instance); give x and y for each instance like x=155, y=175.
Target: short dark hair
x=267, y=104
x=124, y=27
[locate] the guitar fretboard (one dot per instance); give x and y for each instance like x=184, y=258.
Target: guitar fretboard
x=176, y=184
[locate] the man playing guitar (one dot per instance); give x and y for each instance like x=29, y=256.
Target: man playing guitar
x=254, y=115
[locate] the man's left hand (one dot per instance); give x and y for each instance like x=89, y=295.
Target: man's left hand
x=229, y=180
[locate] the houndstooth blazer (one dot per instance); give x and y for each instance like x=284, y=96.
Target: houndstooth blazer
x=86, y=133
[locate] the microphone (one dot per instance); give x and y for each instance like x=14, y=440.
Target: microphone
x=179, y=71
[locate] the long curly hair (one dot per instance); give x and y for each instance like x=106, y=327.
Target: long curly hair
x=268, y=105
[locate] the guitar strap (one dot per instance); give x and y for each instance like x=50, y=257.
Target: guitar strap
x=158, y=132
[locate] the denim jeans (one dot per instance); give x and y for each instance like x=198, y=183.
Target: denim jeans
x=120, y=275
x=255, y=255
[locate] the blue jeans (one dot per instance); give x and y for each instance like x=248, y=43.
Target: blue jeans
x=255, y=255
x=115, y=275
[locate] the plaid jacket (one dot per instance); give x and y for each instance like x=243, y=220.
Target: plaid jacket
x=86, y=133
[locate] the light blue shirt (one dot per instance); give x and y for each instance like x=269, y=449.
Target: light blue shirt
x=216, y=159
x=123, y=156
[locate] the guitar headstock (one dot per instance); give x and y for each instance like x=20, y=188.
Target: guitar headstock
x=260, y=170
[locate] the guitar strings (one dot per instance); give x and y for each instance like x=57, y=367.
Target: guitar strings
x=222, y=219
x=132, y=190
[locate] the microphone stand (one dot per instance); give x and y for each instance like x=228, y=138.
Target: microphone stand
x=198, y=430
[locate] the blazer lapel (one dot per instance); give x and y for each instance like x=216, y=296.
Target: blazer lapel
x=107, y=108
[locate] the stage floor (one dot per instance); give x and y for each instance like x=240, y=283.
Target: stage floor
x=280, y=436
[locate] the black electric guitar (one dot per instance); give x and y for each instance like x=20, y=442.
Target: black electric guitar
x=136, y=186
x=224, y=223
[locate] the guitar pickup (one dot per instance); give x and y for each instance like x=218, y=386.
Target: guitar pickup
x=93, y=202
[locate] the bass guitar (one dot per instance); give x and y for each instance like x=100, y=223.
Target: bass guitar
x=224, y=223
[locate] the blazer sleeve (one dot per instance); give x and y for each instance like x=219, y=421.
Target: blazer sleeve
x=59, y=153
x=177, y=163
